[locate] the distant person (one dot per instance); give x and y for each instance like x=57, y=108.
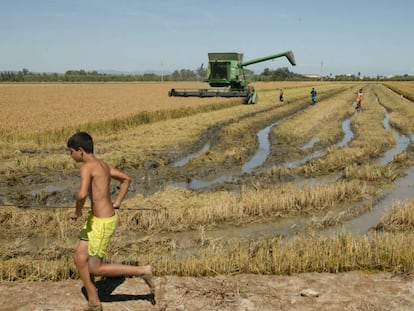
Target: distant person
x=314, y=95
x=358, y=101
x=281, y=96
x=94, y=238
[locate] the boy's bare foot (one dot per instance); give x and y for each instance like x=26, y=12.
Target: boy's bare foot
x=147, y=277
x=90, y=307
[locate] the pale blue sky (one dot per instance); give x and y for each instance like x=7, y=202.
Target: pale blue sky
x=332, y=36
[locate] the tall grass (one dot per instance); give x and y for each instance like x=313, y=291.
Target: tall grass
x=399, y=219
x=343, y=252
x=179, y=209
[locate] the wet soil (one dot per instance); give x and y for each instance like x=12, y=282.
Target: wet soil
x=51, y=188
x=305, y=292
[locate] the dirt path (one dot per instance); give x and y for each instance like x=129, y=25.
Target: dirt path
x=310, y=291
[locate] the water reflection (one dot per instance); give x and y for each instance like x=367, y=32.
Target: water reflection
x=262, y=154
x=199, y=184
x=348, y=136
x=401, y=145
x=48, y=189
x=296, y=163
x=263, y=151
x=401, y=191
x=191, y=156
x=310, y=144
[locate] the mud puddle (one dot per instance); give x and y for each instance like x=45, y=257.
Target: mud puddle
x=262, y=154
x=191, y=156
x=263, y=150
x=399, y=192
x=348, y=135
x=402, y=142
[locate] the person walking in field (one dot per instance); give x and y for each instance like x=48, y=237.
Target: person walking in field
x=281, y=96
x=95, y=178
x=358, y=101
x=314, y=95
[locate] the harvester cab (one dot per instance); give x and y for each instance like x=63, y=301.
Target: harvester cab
x=227, y=78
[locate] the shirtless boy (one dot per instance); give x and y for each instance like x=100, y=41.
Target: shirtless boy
x=95, y=178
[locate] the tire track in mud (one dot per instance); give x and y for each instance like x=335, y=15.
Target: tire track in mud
x=358, y=224
x=261, y=163
x=259, y=157
x=401, y=190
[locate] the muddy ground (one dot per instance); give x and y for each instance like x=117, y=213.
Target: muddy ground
x=53, y=188
x=304, y=292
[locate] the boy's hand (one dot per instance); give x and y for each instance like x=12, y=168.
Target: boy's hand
x=76, y=215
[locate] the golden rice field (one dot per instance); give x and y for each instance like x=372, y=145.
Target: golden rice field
x=33, y=108
x=354, y=179
x=40, y=107
x=402, y=88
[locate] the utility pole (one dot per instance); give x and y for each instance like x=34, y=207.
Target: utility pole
x=321, y=70
x=162, y=72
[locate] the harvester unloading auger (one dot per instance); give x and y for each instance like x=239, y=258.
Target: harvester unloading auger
x=227, y=78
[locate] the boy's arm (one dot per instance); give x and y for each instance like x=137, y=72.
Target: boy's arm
x=85, y=181
x=124, y=181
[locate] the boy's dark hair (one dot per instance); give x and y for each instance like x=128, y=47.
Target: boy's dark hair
x=81, y=139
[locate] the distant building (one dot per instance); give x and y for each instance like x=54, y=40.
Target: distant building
x=312, y=75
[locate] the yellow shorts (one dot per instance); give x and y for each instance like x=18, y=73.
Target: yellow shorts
x=98, y=232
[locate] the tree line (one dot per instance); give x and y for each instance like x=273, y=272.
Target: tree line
x=280, y=74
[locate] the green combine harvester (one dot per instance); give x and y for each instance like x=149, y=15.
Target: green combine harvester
x=227, y=78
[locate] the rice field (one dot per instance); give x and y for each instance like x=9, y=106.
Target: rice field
x=38, y=117
x=36, y=108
